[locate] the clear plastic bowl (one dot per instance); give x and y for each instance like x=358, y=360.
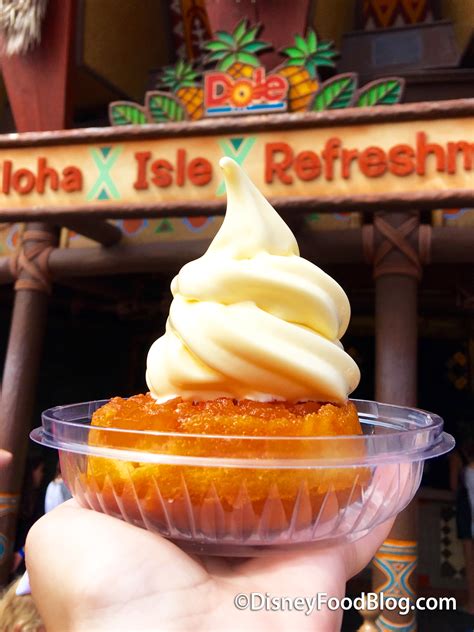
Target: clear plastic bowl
x=271, y=492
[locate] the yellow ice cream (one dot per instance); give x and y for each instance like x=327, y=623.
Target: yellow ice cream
x=251, y=318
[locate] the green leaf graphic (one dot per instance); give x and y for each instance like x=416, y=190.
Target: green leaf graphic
x=250, y=35
x=385, y=91
x=163, y=107
x=255, y=47
x=302, y=45
x=336, y=93
x=127, y=113
x=216, y=45
x=240, y=30
x=225, y=37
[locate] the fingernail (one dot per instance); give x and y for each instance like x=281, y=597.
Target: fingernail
x=23, y=587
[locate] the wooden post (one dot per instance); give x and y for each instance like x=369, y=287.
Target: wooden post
x=392, y=244
x=37, y=83
x=37, y=86
x=20, y=374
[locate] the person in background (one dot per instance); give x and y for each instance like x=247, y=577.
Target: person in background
x=462, y=483
x=56, y=492
x=18, y=613
x=31, y=507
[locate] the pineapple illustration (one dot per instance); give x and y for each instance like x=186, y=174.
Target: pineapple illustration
x=236, y=52
x=182, y=80
x=301, y=68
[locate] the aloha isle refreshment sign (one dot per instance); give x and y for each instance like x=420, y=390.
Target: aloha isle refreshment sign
x=156, y=168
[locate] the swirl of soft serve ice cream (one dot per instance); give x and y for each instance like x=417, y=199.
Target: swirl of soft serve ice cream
x=251, y=319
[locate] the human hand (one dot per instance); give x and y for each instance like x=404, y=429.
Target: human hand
x=89, y=571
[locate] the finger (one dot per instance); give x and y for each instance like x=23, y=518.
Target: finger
x=393, y=488
x=358, y=554
x=5, y=457
x=80, y=561
x=332, y=564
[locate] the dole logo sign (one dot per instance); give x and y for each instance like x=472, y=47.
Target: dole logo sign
x=224, y=94
x=236, y=82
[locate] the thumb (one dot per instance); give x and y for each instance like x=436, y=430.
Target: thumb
x=75, y=556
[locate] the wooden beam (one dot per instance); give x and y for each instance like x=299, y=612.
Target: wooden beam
x=448, y=245
x=325, y=247
x=103, y=288
x=102, y=232
x=124, y=259
x=369, y=203
x=338, y=246
x=246, y=124
x=452, y=244
x=331, y=246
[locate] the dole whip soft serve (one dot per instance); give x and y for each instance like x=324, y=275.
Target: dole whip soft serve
x=251, y=319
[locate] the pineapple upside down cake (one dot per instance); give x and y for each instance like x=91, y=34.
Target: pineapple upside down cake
x=249, y=372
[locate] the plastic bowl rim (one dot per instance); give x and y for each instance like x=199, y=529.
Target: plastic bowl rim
x=437, y=424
